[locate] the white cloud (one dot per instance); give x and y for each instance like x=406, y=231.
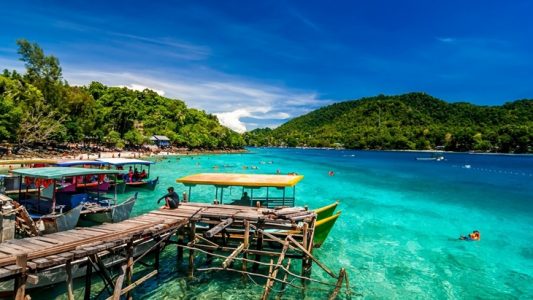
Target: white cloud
x=139, y=87
x=230, y=99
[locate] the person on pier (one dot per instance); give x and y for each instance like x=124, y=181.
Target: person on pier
x=172, y=200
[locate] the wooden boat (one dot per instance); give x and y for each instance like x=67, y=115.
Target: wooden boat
x=262, y=189
x=326, y=211
x=130, y=181
x=52, y=223
x=56, y=201
x=115, y=213
x=117, y=183
x=322, y=229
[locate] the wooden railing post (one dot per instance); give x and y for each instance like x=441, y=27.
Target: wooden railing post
x=192, y=236
x=20, y=280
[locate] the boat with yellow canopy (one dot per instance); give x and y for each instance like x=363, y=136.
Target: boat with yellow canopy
x=265, y=190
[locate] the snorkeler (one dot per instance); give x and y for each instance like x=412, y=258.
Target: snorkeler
x=474, y=236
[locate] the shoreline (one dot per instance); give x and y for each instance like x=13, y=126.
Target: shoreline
x=398, y=150
x=47, y=155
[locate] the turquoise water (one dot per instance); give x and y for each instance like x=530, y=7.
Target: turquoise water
x=397, y=235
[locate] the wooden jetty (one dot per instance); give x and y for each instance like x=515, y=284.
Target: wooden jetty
x=256, y=238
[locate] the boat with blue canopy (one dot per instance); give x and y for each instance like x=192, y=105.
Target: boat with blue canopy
x=134, y=172
x=57, y=197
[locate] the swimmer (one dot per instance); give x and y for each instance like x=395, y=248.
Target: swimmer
x=474, y=236
x=331, y=173
x=278, y=171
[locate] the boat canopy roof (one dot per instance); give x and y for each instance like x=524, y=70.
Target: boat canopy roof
x=27, y=161
x=247, y=180
x=60, y=172
x=125, y=161
x=69, y=163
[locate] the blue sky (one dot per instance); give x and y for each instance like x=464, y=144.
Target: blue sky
x=260, y=63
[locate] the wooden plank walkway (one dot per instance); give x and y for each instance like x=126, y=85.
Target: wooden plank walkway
x=83, y=241
x=226, y=228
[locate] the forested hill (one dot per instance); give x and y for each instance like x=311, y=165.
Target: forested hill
x=39, y=107
x=409, y=121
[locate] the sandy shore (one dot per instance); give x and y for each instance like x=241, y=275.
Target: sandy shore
x=109, y=154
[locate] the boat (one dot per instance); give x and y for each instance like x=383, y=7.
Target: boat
x=54, y=197
x=322, y=229
x=326, y=211
x=435, y=156
x=117, y=213
x=265, y=190
x=9, y=183
x=129, y=177
x=118, y=183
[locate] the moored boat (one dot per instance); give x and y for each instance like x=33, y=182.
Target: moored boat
x=138, y=175
x=56, y=197
x=322, y=229
x=325, y=211
x=115, y=214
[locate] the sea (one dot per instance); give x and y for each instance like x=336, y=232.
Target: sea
x=397, y=236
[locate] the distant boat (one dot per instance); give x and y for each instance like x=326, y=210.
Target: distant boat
x=141, y=181
x=436, y=156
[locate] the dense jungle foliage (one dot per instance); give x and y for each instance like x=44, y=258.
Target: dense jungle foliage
x=410, y=121
x=39, y=107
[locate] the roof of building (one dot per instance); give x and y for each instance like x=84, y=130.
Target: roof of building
x=70, y=163
x=125, y=161
x=159, y=138
x=233, y=179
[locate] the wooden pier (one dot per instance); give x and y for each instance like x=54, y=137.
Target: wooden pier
x=253, y=237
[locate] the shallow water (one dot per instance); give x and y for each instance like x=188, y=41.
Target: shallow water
x=397, y=235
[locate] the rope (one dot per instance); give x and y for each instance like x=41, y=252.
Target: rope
x=261, y=263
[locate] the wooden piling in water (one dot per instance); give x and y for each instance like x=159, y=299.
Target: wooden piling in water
x=192, y=234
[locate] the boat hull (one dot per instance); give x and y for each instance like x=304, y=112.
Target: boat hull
x=60, y=222
x=326, y=211
x=148, y=184
x=322, y=229
x=116, y=213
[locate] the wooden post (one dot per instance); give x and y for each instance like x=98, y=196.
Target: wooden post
x=192, y=234
x=68, y=269
x=304, y=234
x=221, y=226
x=180, y=243
x=274, y=272
x=157, y=256
x=129, y=267
x=88, y=277
x=259, y=246
x=20, y=280
x=338, y=286
x=246, y=244
x=305, y=259
x=284, y=284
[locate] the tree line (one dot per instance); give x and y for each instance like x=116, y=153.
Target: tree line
x=414, y=121
x=40, y=107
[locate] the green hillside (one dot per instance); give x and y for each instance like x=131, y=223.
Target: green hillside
x=410, y=121
x=39, y=107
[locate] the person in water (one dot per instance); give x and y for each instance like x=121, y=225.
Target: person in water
x=172, y=200
x=474, y=236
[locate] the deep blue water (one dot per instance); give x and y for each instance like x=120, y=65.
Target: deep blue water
x=397, y=235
